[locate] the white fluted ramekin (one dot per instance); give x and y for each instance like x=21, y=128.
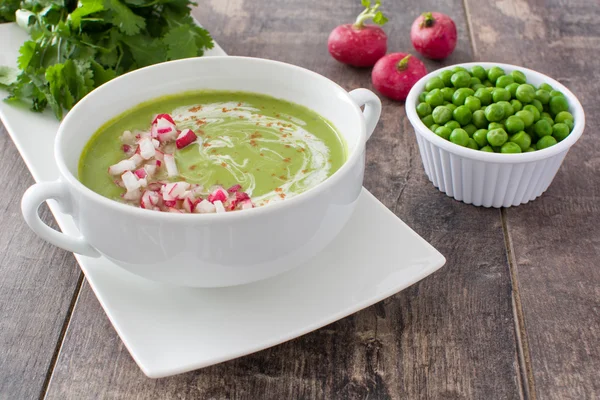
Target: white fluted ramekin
x=491, y=179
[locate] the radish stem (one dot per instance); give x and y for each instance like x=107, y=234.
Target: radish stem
x=428, y=20
x=403, y=64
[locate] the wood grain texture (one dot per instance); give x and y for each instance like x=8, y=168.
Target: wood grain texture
x=449, y=337
x=556, y=239
x=37, y=284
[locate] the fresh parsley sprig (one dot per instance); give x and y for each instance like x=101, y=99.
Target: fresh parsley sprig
x=76, y=46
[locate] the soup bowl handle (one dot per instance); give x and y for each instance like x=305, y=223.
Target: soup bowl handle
x=57, y=190
x=372, y=111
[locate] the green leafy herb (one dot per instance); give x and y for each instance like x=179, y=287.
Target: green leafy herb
x=370, y=12
x=77, y=46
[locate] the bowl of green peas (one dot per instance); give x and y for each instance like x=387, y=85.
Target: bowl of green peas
x=491, y=134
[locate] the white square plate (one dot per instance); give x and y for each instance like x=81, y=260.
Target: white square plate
x=170, y=330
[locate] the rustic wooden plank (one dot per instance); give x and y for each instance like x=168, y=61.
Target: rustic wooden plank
x=556, y=239
x=37, y=284
x=450, y=336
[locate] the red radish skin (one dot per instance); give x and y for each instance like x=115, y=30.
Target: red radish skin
x=395, y=74
x=358, y=44
x=165, y=116
x=186, y=137
x=434, y=35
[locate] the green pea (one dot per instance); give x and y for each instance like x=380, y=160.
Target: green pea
x=452, y=125
x=428, y=120
x=434, y=83
x=462, y=115
x=479, y=119
x=476, y=86
x=531, y=132
x=484, y=96
x=545, y=115
x=495, y=125
x=460, y=95
x=441, y=115
x=434, y=98
x=422, y=96
x=569, y=123
x=445, y=77
x=479, y=73
x=487, y=149
x=470, y=129
x=542, y=96
x=554, y=93
x=510, y=147
x=494, y=112
x=508, y=110
x=459, y=137
x=532, y=109
x=562, y=116
x=518, y=77
x=526, y=116
x=560, y=131
x=433, y=127
x=443, y=132
x=487, y=83
x=459, y=69
x=512, y=89
x=494, y=73
x=517, y=105
x=423, y=109
x=549, y=119
x=497, y=137
x=543, y=128
x=447, y=93
x=500, y=94
x=473, y=103
x=474, y=81
x=471, y=144
x=450, y=106
x=522, y=139
x=513, y=124
x=538, y=104
x=504, y=81
x=525, y=93
x=546, y=87
x=480, y=136
x=545, y=142
x=461, y=79
x=528, y=150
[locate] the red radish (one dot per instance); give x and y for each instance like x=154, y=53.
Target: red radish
x=127, y=137
x=146, y=148
x=247, y=204
x=396, y=73
x=121, y=166
x=186, y=137
x=358, y=44
x=219, y=206
x=150, y=169
x=234, y=188
x=433, y=34
x=130, y=181
x=141, y=173
x=171, y=165
x=133, y=195
x=126, y=148
x=174, y=210
x=156, y=143
x=205, y=207
x=137, y=159
x=218, y=194
x=170, y=203
x=159, y=155
x=163, y=116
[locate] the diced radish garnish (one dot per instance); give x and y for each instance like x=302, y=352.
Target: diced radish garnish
x=140, y=173
x=163, y=116
x=144, y=135
x=178, y=189
x=186, y=137
x=205, y=207
x=241, y=196
x=126, y=148
x=143, y=182
x=156, y=143
x=149, y=169
x=130, y=181
x=174, y=210
x=147, y=149
x=137, y=159
x=133, y=195
x=189, y=203
x=155, y=186
x=121, y=166
x=170, y=203
x=247, y=204
x=197, y=191
x=218, y=195
x=149, y=199
x=127, y=137
x=234, y=188
x=159, y=155
x=171, y=165
x=219, y=206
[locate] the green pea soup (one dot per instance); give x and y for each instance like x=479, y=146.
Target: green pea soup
x=273, y=148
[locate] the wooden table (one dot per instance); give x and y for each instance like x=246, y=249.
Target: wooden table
x=515, y=313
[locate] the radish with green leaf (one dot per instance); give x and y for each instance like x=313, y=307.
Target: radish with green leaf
x=395, y=74
x=358, y=44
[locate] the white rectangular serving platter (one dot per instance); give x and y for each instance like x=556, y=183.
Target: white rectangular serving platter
x=170, y=330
